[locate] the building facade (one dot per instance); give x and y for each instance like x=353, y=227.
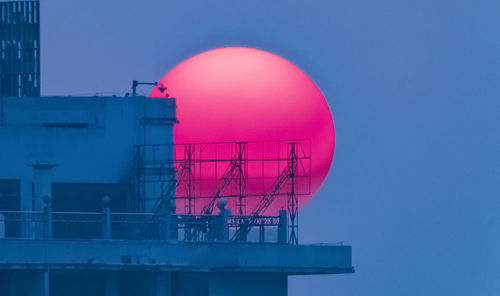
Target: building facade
x=72, y=221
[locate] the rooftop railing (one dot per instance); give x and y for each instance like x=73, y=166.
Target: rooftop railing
x=106, y=225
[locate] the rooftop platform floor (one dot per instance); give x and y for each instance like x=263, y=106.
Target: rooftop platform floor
x=175, y=256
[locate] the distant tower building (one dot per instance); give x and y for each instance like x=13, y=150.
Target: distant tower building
x=20, y=49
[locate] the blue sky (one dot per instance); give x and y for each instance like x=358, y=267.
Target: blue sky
x=414, y=90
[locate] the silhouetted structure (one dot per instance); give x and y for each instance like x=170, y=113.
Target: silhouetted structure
x=250, y=174
x=89, y=188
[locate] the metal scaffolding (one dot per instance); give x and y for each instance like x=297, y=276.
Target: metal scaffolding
x=246, y=174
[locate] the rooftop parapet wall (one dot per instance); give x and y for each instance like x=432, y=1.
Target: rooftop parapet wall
x=99, y=112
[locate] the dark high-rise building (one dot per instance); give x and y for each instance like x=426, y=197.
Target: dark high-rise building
x=20, y=49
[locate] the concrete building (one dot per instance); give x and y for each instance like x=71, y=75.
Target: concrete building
x=60, y=156
x=96, y=198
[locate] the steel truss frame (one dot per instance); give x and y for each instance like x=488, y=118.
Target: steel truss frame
x=207, y=172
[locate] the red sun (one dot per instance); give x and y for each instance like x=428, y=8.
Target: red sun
x=245, y=94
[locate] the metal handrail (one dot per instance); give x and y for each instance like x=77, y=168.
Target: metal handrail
x=123, y=226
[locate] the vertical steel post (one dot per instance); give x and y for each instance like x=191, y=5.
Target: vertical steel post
x=262, y=234
x=189, y=182
x=241, y=151
x=292, y=196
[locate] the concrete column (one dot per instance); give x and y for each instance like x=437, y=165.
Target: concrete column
x=247, y=284
x=43, y=283
x=30, y=283
x=158, y=155
x=112, y=285
x=42, y=180
x=162, y=284
x=190, y=284
x=145, y=283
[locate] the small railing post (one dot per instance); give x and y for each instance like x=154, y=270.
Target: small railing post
x=47, y=217
x=262, y=234
x=282, y=227
x=106, y=218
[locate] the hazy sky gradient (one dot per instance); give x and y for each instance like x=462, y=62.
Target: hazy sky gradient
x=414, y=90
